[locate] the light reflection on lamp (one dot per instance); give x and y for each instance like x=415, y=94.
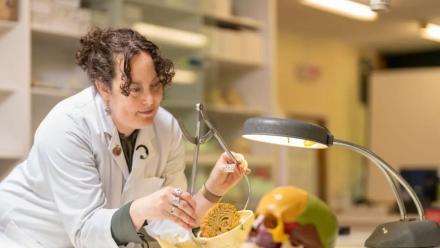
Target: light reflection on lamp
x=286, y=141
x=405, y=232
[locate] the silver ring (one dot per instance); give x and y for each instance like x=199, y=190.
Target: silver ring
x=178, y=191
x=229, y=168
x=173, y=210
x=175, y=201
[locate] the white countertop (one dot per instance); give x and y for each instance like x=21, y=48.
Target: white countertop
x=355, y=239
x=362, y=222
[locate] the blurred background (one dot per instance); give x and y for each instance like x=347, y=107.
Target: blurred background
x=373, y=81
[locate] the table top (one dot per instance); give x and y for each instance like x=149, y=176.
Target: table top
x=354, y=239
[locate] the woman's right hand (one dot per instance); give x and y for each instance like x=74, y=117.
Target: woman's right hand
x=159, y=205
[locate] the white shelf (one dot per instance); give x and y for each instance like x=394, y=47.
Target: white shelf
x=232, y=110
x=7, y=88
x=171, y=36
x=241, y=21
x=224, y=62
x=209, y=159
x=6, y=25
x=54, y=92
x=163, y=5
x=235, y=21
x=44, y=30
x=54, y=38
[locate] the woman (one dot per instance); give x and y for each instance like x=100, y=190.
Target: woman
x=109, y=160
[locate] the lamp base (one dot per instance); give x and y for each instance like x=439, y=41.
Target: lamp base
x=408, y=233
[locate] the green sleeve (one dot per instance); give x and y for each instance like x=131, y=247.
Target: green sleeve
x=123, y=230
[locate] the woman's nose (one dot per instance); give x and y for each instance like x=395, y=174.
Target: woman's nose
x=148, y=98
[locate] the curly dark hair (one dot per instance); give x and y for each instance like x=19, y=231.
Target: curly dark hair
x=99, y=47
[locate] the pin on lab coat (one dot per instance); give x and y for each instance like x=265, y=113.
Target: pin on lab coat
x=66, y=191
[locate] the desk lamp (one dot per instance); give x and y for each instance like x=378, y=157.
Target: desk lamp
x=405, y=232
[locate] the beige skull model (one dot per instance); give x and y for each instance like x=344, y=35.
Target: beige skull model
x=281, y=205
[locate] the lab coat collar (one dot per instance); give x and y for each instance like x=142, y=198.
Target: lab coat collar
x=139, y=155
x=117, y=152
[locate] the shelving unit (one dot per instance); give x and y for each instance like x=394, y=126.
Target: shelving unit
x=52, y=92
x=253, y=79
x=7, y=89
x=233, y=110
x=237, y=21
x=183, y=8
x=225, y=63
x=14, y=88
x=215, y=110
x=6, y=25
x=54, y=75
x=178, y=105
x=63, y=33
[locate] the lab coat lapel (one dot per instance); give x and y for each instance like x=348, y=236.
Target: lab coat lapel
x=144, y=150
x=117, y=153
x=135, y=184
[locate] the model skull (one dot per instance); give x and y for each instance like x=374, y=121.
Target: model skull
x=281, y=205
x=291, y=214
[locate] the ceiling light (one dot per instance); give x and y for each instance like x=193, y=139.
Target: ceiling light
x=343, y=7
x=431, y=32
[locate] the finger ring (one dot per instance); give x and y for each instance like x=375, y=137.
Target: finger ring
x=229, y=168
x=172, y=210
x=175, y=201
x=178, y=191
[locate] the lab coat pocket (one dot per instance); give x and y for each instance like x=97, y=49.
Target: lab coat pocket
x=142, y=188
x=20, y=239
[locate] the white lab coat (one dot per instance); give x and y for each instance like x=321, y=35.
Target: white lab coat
x=66, y=191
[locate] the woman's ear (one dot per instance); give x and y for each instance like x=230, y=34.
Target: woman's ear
x=103, y=90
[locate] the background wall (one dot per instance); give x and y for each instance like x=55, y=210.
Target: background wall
x=330, y=92
x=405, y=119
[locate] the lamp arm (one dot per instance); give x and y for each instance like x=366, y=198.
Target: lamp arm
x=388, y=171
x=391, y=182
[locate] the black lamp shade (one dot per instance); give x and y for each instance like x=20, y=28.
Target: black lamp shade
x=287, y=132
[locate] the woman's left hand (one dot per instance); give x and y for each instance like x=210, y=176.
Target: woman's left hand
x=220, y=181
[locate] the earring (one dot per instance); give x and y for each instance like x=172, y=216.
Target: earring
x=107, y=109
